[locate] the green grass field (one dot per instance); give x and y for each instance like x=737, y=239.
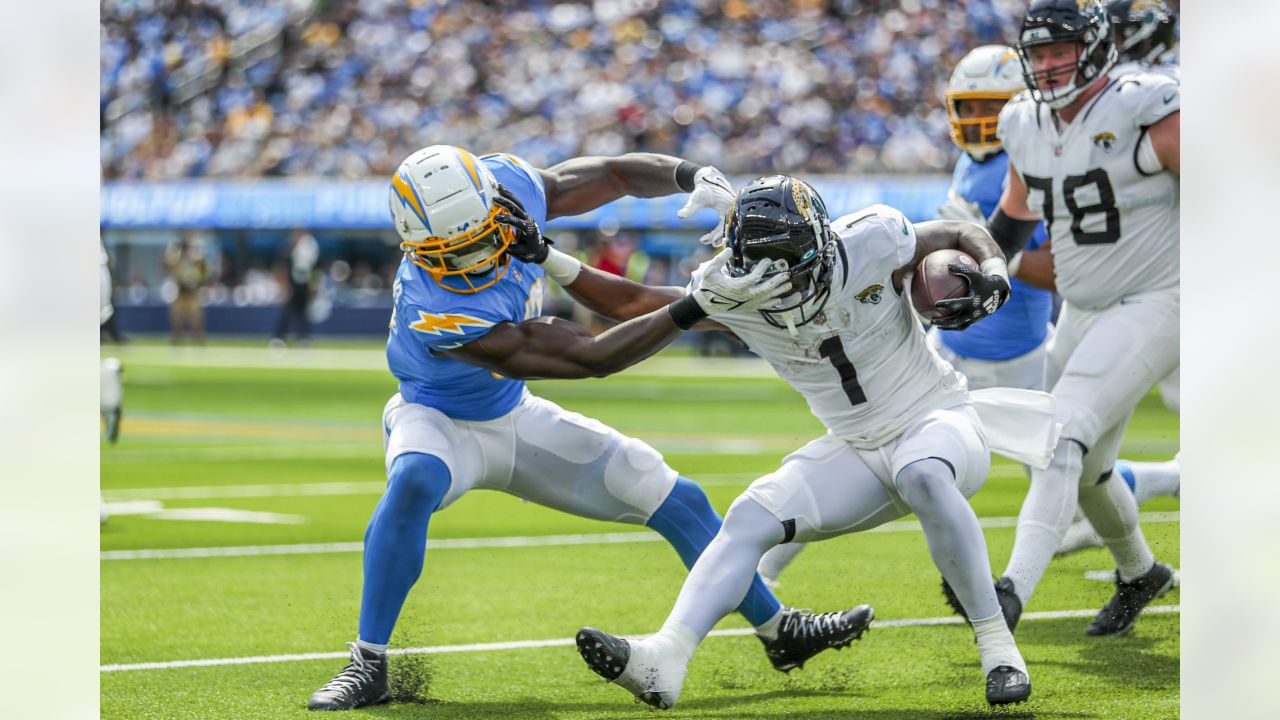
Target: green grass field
x=232, y=447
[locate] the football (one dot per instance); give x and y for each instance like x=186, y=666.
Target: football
x=933, y=282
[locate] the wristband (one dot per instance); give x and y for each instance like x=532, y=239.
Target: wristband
x=685, y=173
x=1011, y=234
x=561, y=267
x=995, y=266
x=686, y=312
x=1014, y=263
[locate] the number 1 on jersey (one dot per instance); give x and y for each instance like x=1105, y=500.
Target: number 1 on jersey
x=832, y=349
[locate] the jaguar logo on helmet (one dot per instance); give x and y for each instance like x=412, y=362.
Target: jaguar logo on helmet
x=783, y=220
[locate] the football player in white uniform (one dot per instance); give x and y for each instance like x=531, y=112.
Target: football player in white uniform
x=902, y=434
x=1097, y=158
x=1009, y=349
x=1146, y=37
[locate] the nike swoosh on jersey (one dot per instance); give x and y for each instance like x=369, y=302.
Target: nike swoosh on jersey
x=1170, y=98
x=904, y=227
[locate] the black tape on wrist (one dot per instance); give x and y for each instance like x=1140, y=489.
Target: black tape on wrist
x=1011, y=234
x=684, y=175
x=686, y=312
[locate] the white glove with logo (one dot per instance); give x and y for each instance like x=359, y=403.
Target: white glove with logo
x=721, y=292
x=957, y=209
x=711, y=189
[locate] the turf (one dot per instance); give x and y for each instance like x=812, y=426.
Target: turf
x=219, y=429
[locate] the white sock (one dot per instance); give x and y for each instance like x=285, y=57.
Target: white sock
x=769, y=629
x=1155, y=479
x=1113, y=512
x=1045, y=516
x=371, y=647
x=675, y=639
x=996, y=646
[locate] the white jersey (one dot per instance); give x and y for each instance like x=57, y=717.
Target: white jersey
x=1114, y=227
x=863, y=364
x=1169, y=70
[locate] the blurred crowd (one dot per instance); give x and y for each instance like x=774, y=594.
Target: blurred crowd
x=335, y=88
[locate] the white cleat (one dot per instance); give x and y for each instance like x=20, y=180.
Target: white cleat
x=651, y=675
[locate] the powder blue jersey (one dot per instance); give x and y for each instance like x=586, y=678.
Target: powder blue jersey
x=1021, y=325
x=427, y=317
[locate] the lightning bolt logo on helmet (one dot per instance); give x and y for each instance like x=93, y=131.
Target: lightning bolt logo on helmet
x=442, y=207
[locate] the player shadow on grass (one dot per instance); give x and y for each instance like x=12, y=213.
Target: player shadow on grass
x=738, y=707
x=1124, y=662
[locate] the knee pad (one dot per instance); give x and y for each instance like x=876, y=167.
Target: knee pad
x=924, y=478
x=637, y=476
x=419, y=479
x=1079, y=423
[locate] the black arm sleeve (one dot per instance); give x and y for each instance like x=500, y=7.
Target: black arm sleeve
x=1011, y=234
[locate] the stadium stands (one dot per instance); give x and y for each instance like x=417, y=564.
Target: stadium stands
x=242, y=88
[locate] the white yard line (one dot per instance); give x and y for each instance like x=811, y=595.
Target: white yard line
x=563, y=642
x=500, y=542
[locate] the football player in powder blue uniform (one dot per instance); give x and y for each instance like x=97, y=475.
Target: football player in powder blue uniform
x=466, y=332
x=1008, y=348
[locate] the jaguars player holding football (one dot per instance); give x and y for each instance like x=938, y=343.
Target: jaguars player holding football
x=903, y=436
x=1007, y=350
x=1097, y=157
x=466, y=331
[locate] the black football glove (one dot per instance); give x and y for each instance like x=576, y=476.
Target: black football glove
x=986, y=294
x=529, y=245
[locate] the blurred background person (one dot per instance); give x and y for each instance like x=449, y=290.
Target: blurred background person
x=304, y=254
x=188, y=271
x=108, y=328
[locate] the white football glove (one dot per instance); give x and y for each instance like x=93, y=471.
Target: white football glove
x=957, y=209
x=721, y=292
x=711, y=189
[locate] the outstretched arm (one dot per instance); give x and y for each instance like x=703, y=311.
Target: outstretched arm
x=555, y=348
x=549, y=347
x=620, y=299
x=585, y=183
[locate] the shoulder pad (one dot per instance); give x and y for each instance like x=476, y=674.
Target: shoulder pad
x=1147, y=97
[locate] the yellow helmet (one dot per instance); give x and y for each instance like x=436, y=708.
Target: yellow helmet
x=990, y=72
x=442, y=205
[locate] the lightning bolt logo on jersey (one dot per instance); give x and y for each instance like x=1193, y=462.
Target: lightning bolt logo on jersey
x=427, y=318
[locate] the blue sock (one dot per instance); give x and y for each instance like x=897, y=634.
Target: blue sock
x=396, y=541
x=687, y=520
x=1126, y=471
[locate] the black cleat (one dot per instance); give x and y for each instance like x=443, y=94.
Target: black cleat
x=1007, y=684
x=801, y=635
x=952, y=601
x=605, y=654
x=363, y=682
x=1010, y=605
x=1119, y=615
